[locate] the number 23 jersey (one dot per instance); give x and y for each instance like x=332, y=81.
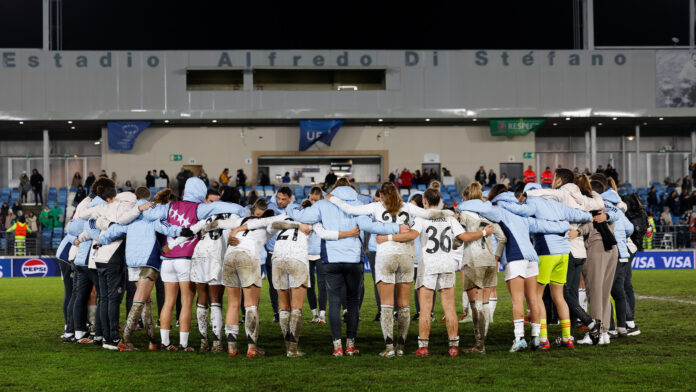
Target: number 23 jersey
x=436, y=237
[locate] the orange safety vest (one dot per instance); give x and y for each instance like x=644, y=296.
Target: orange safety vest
x=20, y=229
x=547, y=177
x=529, y=176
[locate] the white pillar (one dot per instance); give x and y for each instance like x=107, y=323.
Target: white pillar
x=46, y=164
x=692, y=24
x=638, y=162
x=588, y=163
x=588, y=34
x=693, y=145
x=593, y=148
x=624, y=172
x=46, y=26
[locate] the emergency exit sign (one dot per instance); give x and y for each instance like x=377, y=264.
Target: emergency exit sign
x=176, y=157
x=528, y=155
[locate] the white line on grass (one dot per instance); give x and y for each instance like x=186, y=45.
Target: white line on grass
x=668, y=299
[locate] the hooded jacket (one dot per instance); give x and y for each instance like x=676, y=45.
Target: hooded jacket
x=344, y=250
x=89, y=231
x=515, y=227
x=623, y=228
x=570, y=195
x=273, y=205
x=73, y=229
x=142, y=247
x=121, y=211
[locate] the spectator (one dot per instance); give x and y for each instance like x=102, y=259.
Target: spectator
x=154, y=173
x=90, y=180
x=150, y=179
x=241, y=180
x=113, y=178
x=80, y=195
x=103, y=174
x=24, y=186
x=128, y=187
x=57, y=215
x=687, y=184
x=505, y=180
x=392, y=178
x=547, y=177
x=406, y=178
x=4, y=212
x=264, y=180
x=674, y=204
x=665, y=217
x=331, y=179
x=297, y=175
x=286, y=178
x=418, y=177
x=576, y=171
x=599, y=170
x=225, y=177
x=36, y=181
x=164, y=175
x=181, y=180
x=32, y=222
x=17, y=208
x=425, y=178
x=46, y=218
x=76, y=180
x=491, y=178
x=653, y=203
x=611, y=172
x=9, y=218
x=480, y=176
x=446, y=173
x=684, y=202
x=204, y=177
x=434, y=176
x=529, y=175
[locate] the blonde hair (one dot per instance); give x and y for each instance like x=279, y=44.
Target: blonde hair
x=435, y=184
x=390, y=198
x=473, y=191
x=612, y=184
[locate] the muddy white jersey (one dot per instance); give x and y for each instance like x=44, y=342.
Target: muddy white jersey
x=252, y=240
x=212, y=244
x=292, y=244
x=437, y=237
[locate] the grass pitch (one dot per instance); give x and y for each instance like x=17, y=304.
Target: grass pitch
x=663, y=357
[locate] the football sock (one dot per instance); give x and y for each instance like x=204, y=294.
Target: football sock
x=536, y=329
x=295, y=327
x=337, y=344
x=492, y=303
x=202, y=317
x=92, y=314
x=284, y=320
x=454, y=342
x=466, y=308
x=544, y=330
x=164, y=335
x=487, y=316
x=591, y=325
x=423, y=343
x=232, y=332
x=216, y=319
x=582, y=298
x=322, y=314
x=147, y=321
x=183, y=339
x=631, y=324
x=387, y=323
x=132, y=320
x=251, y=326
x=519, y=329
x=565, y=329
x=315, y=313
x=404, y=318
x=350, y=343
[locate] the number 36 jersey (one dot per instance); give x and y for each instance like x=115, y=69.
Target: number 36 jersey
x=437, y=237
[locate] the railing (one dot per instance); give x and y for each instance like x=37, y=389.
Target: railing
x=673, y=237
x=31, y=247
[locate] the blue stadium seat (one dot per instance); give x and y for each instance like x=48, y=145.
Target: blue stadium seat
x=421, y=187
x=153, y=190
x=268, y=190
x=73, y=189
x=363, y=190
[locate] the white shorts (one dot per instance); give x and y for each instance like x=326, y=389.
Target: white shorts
x=207, y=271
x=394, y=268
x=289, y=274
x=240, y=269
x=436, y=282
x=176, y=270
x=133, y=274
x=523, y=268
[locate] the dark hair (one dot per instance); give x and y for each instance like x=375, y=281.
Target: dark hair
x=495, y=191
x=390, y=198
x=583, y=183
x=103, y=183
x=252, y=197
x=267, y=213
x=260, y=204
x=342, y=182
x=519, y=189
x=142, y=193
x=565, y=175
x=230, y=195
x=212, y=192
x=285, y=190
x=597, y=186
x=432, y=196
x=107, y=193
x=378, y=193
x=316, y=191
x=418, y=199
x=21, y=219
x=601, y=178
x=306, y=203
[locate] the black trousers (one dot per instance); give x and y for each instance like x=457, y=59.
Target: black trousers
x=38, y=195
x=371, y=256
x=111, y=276
x=320, y=294
x=66, y=272
x=618, y=292
x=630, y=294
x=348, y=276
x=85, y=279
x=269, y=276
x=551, y=312
x=570, y=291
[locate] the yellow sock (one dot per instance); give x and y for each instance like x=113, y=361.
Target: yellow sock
x=543, y=335
x=565, y=329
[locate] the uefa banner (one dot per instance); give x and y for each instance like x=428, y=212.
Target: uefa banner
x=663, y=260
x=29, y=268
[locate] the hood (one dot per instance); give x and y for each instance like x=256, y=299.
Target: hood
x=96, y=201
x=571, y=188
x=345, y=193
x=195, y=190
x=126, y=197
x=140, y=202
x=532, y=186
x=506, y=196
x=484, y=208
x=611, y=196
x=410, y=197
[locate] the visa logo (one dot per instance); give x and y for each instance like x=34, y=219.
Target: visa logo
x=643, y=263
x=677, y=262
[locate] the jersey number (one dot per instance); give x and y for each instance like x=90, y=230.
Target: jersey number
x=386, y=217
x=282, y=236
x=444, y=243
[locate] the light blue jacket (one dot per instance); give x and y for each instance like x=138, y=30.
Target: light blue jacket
x=142, y=247
x=515, y=227
x=82, y=258
x=538, y=207
x=72, y=231
x=344, y=250
x=273, y=205
x=623, y=228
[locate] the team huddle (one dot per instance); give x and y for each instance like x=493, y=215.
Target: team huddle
x=206, y=245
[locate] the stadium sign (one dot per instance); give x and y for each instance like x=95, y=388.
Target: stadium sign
x=515, y=127
x=5, y=268
x=663, y=260
x=30, y=268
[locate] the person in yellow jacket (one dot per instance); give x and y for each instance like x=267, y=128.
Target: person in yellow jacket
x=20, y=229
x=650, y=234
x=225, y=176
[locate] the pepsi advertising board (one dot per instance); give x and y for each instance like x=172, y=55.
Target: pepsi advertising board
x=5, y=268
x=35, y=268
x=663, y=260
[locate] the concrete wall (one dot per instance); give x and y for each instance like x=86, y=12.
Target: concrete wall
x=462, y=149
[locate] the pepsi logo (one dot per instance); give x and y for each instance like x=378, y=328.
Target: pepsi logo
x=34, y=267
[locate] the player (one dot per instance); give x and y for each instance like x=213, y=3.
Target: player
x=394, y=261
x=437, y=269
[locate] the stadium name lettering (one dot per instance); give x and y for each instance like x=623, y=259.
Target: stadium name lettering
x=411, y=58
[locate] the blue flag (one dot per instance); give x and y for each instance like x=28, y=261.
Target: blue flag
x=122, y=134
x=312, y=131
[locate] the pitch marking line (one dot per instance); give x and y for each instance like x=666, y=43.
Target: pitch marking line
x=668, y=299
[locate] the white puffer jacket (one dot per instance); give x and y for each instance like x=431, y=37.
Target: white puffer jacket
x=123, y=211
